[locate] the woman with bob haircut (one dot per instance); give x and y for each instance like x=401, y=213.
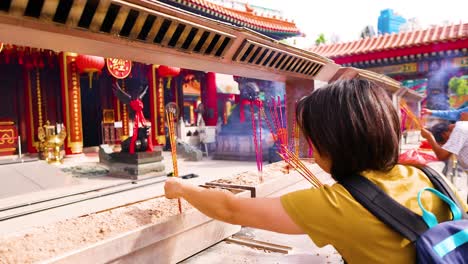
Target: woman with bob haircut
x=354, y=128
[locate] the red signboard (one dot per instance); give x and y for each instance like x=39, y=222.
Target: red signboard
x=8, y=138
x=119, y=68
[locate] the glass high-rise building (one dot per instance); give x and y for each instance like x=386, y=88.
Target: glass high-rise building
x=389, y=21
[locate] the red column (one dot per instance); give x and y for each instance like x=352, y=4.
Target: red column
x=125, y=114
x=156, y=94
x=195, y=114
x=211, y=103
x=71, y=103
x=28, y=100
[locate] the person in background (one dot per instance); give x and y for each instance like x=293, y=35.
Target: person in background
x=451, y=139
x=447, y=139
x=354, y=128
x=450, y=115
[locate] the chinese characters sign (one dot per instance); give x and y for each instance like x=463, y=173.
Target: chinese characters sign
x=460, y=62
x=400, y=68
x=119, y=68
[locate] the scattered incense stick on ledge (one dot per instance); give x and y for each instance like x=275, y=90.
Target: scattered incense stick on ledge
x=293, y=160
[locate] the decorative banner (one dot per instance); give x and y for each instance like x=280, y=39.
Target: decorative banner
x=8, y=138
x=119, y=68
x=460, y=62
x=400, y=68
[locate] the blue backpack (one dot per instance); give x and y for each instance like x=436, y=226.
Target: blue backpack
x=435, y=242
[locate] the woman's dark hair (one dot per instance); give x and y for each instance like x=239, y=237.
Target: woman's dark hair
x=438, y=131
x=354, y=123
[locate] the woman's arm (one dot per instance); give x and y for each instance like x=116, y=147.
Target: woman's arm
x=453, y=115
x=263, y=213
x=441, y=153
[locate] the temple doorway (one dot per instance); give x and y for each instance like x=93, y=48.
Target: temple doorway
x=92, y=95
x=12, y=109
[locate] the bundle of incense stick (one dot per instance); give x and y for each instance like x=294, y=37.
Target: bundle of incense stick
x=170, y=117
x=293, y=160
x=296, y=134
x=405, y=108
x=257, y=140
x=279, y=122
x=276, y=126
x=270, y=127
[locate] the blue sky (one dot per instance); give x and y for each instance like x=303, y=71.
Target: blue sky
x=347, y=18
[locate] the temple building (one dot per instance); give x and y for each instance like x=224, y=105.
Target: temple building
x=59, y=68
x=430, y=61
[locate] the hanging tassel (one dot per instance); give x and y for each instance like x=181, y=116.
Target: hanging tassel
x=168, y=84
x=90, y=78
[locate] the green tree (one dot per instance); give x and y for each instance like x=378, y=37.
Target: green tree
x=459, y=86
x=368, y=31
x=320, y=39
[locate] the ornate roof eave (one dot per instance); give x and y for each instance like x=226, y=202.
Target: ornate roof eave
x=436, y=39
x=271, y=27
x=386, y=82
x=214, y=46
x=225, y=49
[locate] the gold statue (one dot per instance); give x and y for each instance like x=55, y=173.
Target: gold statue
x=50, y=143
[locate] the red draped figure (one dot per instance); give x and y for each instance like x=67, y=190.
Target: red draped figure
x=136, y=105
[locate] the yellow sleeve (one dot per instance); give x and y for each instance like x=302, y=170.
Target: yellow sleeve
x=319, y=212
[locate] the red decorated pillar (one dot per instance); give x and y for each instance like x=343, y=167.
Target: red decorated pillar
x=31, y=127
x=71, y=103
x=156, y=94
x=211, y=102
x=124, y=115
x=194, y=112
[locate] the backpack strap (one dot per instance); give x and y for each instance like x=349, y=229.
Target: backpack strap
x=386, y=209
x=402, y=220
x=441, y=185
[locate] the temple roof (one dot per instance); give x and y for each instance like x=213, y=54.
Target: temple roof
x=270, y=26
x=430, y=37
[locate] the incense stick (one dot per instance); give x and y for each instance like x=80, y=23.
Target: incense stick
x=257, y=140
x=170, y=120
x=277, y=130
x=404, y=106
x=294, y=161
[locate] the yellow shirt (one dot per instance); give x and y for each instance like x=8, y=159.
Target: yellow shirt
x=330, y=215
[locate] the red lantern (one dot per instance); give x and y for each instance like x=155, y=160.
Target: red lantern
x=89, y=64
x=168, y=72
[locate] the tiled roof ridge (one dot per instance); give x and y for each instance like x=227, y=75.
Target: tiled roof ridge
x=426, y=36
x=249, y=18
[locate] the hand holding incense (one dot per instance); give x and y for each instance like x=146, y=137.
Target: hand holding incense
x=171, y=117
x=295, y=162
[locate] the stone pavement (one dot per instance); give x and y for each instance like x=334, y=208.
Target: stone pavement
x=38, y=180
x=34, y=176
x=84, y=170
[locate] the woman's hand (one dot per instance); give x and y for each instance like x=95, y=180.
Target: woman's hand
x=225, y=206
x=426, y=133
x=426, y=111
x=173, y=188
x=464, y=116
